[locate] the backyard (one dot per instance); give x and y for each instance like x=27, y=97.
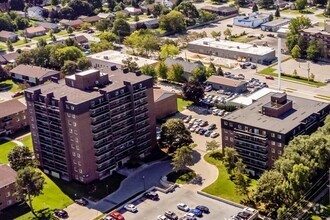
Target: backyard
x=224, y=187
x=182, y=104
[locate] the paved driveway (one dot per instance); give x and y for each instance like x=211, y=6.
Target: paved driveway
x=149, y=210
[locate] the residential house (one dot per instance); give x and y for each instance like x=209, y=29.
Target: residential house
x=109, y=16
x=253, y=20
x=33, y=75
x=35, y=31
x=36, y=12
x=4, y=7
x=165, y=103
x=48, y=26
x=7, y=35
x=132, y=11
x=188, y=67
x=71, y=23
x=221, y=10
x=12, y=117
x=227, y=84
x=10, y=57
x=7, y=186
x=82, y=41
x=90, y=19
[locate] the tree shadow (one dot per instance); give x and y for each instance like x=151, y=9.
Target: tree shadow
x=196, y=156
x=15, y=211
x=5, y=86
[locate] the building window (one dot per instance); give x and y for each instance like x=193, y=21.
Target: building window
x=74, y=124
x=74, y=162
x=230, y=124
x=77, y=147
x=256, y=131
x=9, y=202
x=264, y=133
x=80, y=171
x=273, y=142
x=81, y=179
x=231, y=139
x=79, y=163
x=8, y=194
x=279, y=136
x=75, y=169
x=74, y=154
x=76, y=177
x=226, y=138
x=225, y=123
x=239, y=126
x=273, y=150
x=77, y=140
x=78, y=155
x=273, y=135
x=279, y=152
x=73, y=116
x=279, y=145
x=273, y=158
x=226, y=131
x=68, y=114
x=70, y=130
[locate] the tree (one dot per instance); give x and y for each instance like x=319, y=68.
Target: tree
x=41, y=42
x=295, y=52
x=21, y=23
x=168, y=50
x=277, y=12
x=10, y=46
x=111, y=4
x=149, y=70
x=81, y=7
x=188, y=9
x=157, y=10
x=295, y=72
x=216, y=34
x=108, y=36
x=241, y=3
x=313, y=50
x=227, y=33
x=29, y=183
x=173, y=21
x=199, y=74
x=193, y=91
x=271, y=17
x=212, y=145
x=69, y=67
x=130, y=64
x=241, y=180
x=220, y=71
x=85, y=26
x=161, y=70
x=174, y=134
x=230, y=158
x=121, y=27
x=255, y=7
x=103, y=25
x=206, y=16
x=97, y=4
x=69, y=30
x=312, y=77
x=71, y=53
x=300, y=4
x=266, y=3
x=211, y=70
x=100, y=46
x=84, y=63
x=20, y=157
x=182, y=158
x=327, y=9
x=175, y=73
x=66, y=13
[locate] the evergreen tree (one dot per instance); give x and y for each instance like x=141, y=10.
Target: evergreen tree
x=277, y=12
x=255, y=7
x=327, y=9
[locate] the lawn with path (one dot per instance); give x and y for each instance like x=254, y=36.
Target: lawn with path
x=27, y=141
x=12, y=87
x=5, y=148
x=224, y=187
x=182, y=104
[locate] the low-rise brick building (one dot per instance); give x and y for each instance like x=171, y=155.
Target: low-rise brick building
x=7, y=187
x=165, y=103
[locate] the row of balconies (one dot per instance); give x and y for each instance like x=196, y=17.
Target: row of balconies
x=256, y=156
x=250, y=139
x=254, y=163
x=249, y=146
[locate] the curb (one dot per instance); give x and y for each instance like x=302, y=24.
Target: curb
x=220, y=199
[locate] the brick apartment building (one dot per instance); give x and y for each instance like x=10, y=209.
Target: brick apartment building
x=7, y=186
x=12, y=117
x=321, y=35
x=260, y=131
x=90, y=123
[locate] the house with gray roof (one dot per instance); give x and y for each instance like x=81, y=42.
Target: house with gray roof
x=188, y=67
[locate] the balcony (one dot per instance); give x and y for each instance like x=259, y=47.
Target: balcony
x=101, y=127
x=251, y=147
x=99, y=119
x=253, y=164
x=108, y=165
x=95, y=113
x=122, y=130
x=251, y=139
x=140, y=102
x=254, y=156
x=98, y=105
x=6, y=119
x=102, y=144
x=139, y=95
x=103, y=150
x=141, y=118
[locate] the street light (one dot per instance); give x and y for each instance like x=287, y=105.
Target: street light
x=144, y=183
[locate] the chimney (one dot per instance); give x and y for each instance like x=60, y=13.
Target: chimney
x=125, y=70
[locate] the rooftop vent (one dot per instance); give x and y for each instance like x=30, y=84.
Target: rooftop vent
x=106, y=57
x=113, y=68
x=138, y=73
x=125, y=70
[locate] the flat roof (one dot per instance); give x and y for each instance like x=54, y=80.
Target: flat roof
x=248, y=100
x=277, y=22
x=233, y=46
x=76, y=96
x=117, y=57
x=301, y=109
x=225, y=81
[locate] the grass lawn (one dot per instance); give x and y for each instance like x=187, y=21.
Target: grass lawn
x=27, y=141
x=297, y=12
x=223, y=186
x=3, y=46
x=321, y=15
x=141, y=17
x=5, y=148
x=61, y=33
x=270, y=71
x=161, y=31
x=182, y=104
x=10, y=85
x=19, y=42
x=45, y=37
x=181, y=177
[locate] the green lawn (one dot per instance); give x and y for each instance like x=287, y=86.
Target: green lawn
x=270, y=71
x=19, y=42
x=3, y=46
x=182, y=104
x=223, y=187
x=45, y=37
x=27, y=141
x=161, y=31
x=61, y=33
x=181, y=177
x=297, y=12
x=10, y=85
x=5, y=148
x=321, y=16
x=141, y=17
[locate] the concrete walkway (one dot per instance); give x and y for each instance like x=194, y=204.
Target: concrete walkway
x=14, y=141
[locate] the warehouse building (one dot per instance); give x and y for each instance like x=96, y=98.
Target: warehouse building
x=275, y=25
x=227, y=84
x=253, y=20
x=233, y=50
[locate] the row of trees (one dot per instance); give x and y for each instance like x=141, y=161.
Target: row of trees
x=12, y=22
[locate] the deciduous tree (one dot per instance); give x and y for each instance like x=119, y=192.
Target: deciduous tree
x=173, y=21
x=168, y=50
x=193, y=91
x=149, y=70
x=212, y=145
x=130, y=64
x=182, y=158
x=161, y=70
x=295, y=52
x=230, y=158
x=175, y=73
x=20, y=157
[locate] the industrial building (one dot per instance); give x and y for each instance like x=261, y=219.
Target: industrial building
x=109, y=58
x=89, y=124
x=260, y=131
x=275, y=25
x=233, y=50
x=227, y=84
x=253, y=20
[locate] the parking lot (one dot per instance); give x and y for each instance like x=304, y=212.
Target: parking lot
x=149, y=210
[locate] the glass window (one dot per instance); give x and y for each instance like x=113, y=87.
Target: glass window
x=273, y=135
x=273, y=142
x=279, y=144
x=279, y=136
x=279, y=152
x=273, y=150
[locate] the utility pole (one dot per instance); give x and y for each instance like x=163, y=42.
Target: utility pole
x=279, y=48
x=308, y=70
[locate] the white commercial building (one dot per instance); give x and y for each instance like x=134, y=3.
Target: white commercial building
x=253, y=20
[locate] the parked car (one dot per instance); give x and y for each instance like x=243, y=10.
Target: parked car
x=152, y=195
x=203, y=123
x=208, y=89
x=183, y=207
x=207, y=133
x=253, y=66
x=81, y=201
x=161, y=217
x=269, y=77
x=212, y=127
x=131, y=208
x=196, y=212
x=202, y=131
x=197, y=130
x=108, y=218
x=187, y=119
x=171, y=215
x=190, y=216
x=229, y=25
x=16, y=94
x=214, y=134
x=327, y=80
x=116, y=215
x=203, y=208
x=61, y=213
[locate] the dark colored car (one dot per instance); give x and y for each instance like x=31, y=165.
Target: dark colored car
x=202, y=131
x=152, y=195
x=211, y=127
x=90, y=31
x=17, y=94
x=229, y=25
x=270, y=77
x=253, y=66
x=171, y=215
x=204, y=209
x=81, y=201
x=207, y=133
x=196, y=212
x=61, y=213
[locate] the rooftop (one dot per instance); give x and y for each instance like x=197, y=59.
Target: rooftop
x=35, y=29
x=248, y=100
x=8, y=175
x=187, y=66
x=233, y=46
x=225, y=81
x=253, y=16
x=10, y=107
x=7, y=34
x=31, y=71
x=117, y=58
x=76, y=96
x=277, y=22
x=218, y=8
x=160, y=94
x=301, y=109
x=316, y=30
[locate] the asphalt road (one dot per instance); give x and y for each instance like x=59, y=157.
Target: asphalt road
x=149, y=210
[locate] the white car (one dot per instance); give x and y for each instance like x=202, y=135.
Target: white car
x=161, y=217
x=214, y=134
x=131, y=208
x=183, y=207
x=190, y=215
